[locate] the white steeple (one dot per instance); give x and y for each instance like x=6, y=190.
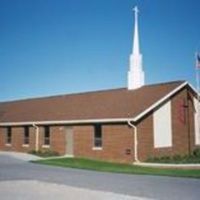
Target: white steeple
x=136, y=73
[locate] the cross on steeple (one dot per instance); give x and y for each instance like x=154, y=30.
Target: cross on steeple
x=136, y=10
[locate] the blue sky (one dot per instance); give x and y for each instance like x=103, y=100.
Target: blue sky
x=50, y=47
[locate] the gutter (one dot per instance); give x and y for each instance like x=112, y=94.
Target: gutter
x=58, y=122
x=135, y=141
x=36, y=137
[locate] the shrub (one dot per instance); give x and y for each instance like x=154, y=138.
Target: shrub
x=161, y=159
x=196, y=152
x=44, y=153
x=194, y=158
x=177, y=157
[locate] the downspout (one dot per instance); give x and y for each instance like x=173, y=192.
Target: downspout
x=36, y=137
x=135, y=141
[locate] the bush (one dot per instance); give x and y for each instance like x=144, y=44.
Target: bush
x=196, y=152
x=178, y=157
x=44, y=153
x=194, y=158
x=162, y=159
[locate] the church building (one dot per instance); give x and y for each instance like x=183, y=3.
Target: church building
x=124, y=125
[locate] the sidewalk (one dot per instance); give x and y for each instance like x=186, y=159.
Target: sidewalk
x=20, y=156
x=168, y=165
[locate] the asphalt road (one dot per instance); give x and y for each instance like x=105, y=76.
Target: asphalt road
x=14, y=171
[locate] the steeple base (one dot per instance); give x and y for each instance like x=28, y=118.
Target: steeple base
x=135, y=80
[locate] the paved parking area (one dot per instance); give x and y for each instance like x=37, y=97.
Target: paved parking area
x=31, y=190
x=19, y=177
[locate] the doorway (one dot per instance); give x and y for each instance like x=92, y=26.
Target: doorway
x=69, y=141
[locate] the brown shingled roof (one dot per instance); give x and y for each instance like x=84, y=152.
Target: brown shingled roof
x=116, y=103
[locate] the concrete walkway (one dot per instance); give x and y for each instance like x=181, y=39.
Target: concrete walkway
x=168, y=165
x=20, y=156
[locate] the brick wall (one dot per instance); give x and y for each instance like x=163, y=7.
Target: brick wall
x=57, y=139
x=17, y=143
x=145, y=138
x=117, y=141
x=182, y=130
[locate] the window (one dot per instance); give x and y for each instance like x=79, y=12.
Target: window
x=9, y=136
x=97, y=136
x=46, y=135
x=26, y=135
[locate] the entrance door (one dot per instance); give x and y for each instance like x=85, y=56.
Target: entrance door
x=69, y=141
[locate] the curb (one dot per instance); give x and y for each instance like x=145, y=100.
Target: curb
x=168, y=165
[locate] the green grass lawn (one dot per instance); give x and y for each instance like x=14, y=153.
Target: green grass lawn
x=88, y=164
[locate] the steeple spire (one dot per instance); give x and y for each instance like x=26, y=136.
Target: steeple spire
x=136, y=73
x=136, y=47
